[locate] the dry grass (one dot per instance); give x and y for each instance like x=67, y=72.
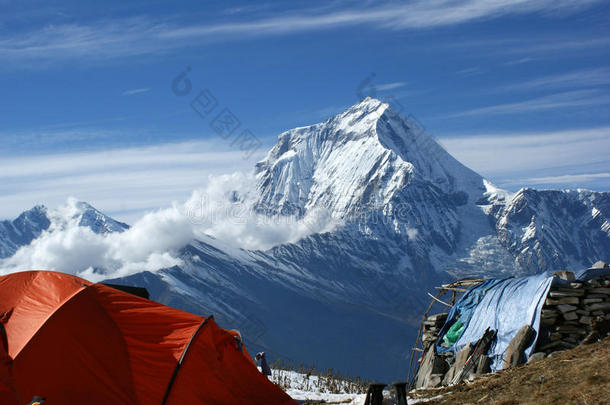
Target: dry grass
x=578, y=376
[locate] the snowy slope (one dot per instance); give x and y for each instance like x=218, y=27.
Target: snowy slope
x=409, y=217
x=308, y=386
x=555, y=229
x=22, y=230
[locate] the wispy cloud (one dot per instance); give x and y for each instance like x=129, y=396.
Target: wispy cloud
x=117, y=180
x=579, y=78
x=528, y=49
x=517, y=155
x=329, y=111
x=563, y=45
x=519, y=61
x=418, y=14
x=567, y=178
x=578, y=98
x=472, y=71
x=390, y=86
x=135, y=91
x=142, y=35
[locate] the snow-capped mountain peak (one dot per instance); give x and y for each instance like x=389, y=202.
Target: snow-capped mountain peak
x=359, y=159
x=361, y=118
x=22, y=230
x=80, y=213
x=32, y=223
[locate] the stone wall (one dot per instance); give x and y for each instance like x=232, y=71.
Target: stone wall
x=569, y=310
x=566, y=319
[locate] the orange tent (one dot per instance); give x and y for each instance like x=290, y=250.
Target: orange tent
x=74, y=342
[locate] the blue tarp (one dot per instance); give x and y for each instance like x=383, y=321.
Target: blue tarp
x=505, y=305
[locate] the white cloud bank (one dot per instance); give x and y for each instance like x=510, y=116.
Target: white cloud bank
x=226, y=209
x=223, y=210
x=149, y=245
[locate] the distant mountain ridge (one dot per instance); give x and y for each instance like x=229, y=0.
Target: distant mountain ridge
x=410, y=216
x=22, y=230
x=551, y=229
x=32, y=223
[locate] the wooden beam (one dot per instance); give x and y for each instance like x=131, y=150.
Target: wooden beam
x=437, y=300
x=451, y=289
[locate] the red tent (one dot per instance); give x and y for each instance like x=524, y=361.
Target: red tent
x=75, y=342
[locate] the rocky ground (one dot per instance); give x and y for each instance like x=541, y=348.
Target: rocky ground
x=577, y=376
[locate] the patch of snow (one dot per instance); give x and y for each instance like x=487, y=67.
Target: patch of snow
x=492, y=190
x=303, y=387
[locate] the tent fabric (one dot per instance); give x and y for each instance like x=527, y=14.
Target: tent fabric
x=8, y=394
x=31, y=297
x=504, y=305
x=77, y=342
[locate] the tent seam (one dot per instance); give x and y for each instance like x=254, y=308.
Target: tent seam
x=116, y=325
x=179, y=364
x=42, y=325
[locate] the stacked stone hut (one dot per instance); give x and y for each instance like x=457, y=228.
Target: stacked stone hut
x=568, y=316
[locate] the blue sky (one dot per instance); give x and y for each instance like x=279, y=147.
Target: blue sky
x=517, y=90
